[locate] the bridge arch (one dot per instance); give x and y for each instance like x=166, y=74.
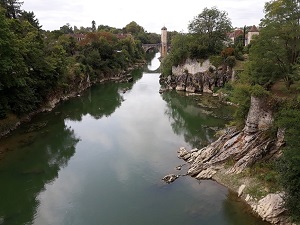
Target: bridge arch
x=147, y=47
x=162, y=47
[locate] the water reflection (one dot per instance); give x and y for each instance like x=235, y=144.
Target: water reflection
x=40, y=149
x=197, y=117
x=108, y=171
x=155, y=63
x=25, y=174
x=103, y=100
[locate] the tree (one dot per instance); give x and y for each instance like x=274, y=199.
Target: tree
x=266, y=55
x=13, y=8
x=66, y=29
x=275, y=53
x=11, y=66
x=93, y=26
x=289, y=118
x=30, y=17
x=134, y=28
x=212, y=24
x=180, y=51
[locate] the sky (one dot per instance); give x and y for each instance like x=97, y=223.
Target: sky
x=151, y=15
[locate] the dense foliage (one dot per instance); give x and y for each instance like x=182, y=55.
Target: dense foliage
x=275, y=55
x=207, y=36
x=212, y=26
x=37, y=64
x=289, y=118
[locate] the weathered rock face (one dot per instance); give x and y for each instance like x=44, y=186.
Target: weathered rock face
x=194, y=76
x=271, y=208
x=259, y=116
x=242, y=149
x=192, y=66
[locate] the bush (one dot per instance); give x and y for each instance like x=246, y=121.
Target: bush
x=259, y=91
x=166, y=67
x=289, y=118
x=240, y=95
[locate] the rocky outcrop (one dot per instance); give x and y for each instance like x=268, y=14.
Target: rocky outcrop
x=259, y=116
x=243, y=148
x=192, y=66
x=236, y=150
x=194, y=76
x=271, y=208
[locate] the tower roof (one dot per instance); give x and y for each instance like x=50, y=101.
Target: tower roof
x=253, y=29
x=164, y=28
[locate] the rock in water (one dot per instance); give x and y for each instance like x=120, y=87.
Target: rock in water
x=170, y=178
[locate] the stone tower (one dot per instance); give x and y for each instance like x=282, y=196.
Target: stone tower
x=164, y=42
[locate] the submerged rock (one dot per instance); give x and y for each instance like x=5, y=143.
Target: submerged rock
x=170, y=178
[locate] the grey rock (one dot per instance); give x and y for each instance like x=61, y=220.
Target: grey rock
x=170, y=178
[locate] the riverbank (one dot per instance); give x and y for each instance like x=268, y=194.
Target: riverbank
x=264, y=202
x=233, y=160
x=12, y=121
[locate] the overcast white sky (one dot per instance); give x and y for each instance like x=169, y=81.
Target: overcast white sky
x=152, y=15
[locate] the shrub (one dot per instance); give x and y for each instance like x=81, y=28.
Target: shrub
x=289, y=118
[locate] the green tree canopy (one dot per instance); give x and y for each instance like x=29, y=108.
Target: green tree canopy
x=275, y=53
x=30, y=17
x=134, y=28
x=213, y=25
x=12, y=7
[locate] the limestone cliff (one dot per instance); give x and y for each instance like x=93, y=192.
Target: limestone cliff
x=194, y=76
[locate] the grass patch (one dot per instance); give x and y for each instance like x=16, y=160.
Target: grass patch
x=266, y=176
x=256, y=191
x=260, y=179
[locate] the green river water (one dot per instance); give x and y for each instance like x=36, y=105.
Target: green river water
x=98, y=159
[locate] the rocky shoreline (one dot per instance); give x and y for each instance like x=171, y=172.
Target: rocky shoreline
x=226, y=160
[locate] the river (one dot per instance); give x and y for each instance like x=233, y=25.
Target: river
x=98, y=159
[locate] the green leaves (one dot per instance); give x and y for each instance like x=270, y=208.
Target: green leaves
x=212, y=25
x=211, y=21
x=275, y=53
x=289, y=119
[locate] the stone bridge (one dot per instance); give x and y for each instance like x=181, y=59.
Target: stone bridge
x=147, y=47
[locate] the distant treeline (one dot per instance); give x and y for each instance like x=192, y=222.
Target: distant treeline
x=36, y=64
